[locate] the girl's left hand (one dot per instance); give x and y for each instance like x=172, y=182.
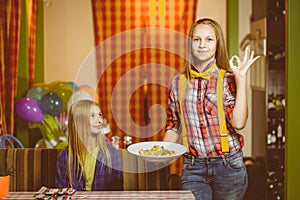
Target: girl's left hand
x=242, y=66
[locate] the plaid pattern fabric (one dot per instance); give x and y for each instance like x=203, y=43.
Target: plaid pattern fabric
x=32, y=23
x=202, y=126
x=9, y=51
x=125, y=195
x=136, y=61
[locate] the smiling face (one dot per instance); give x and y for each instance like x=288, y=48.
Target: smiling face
x=96, y=119
x=204, y=45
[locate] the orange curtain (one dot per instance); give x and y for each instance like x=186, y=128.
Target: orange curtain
x=32, y=23
x=9, y=51
x=140, y=46
x=11, y=19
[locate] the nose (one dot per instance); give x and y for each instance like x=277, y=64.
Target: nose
x=201, y=43
x=100, y=119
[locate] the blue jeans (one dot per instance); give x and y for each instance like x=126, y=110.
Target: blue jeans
x=217, y=178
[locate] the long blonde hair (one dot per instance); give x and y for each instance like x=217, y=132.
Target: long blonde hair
x=221, y=56
x=79, y=130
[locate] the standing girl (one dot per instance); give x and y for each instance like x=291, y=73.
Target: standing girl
x=213, y=167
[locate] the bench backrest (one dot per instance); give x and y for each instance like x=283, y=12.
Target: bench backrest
x=35, y=167
x=32, y=167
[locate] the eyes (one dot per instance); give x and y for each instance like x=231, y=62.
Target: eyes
x=208, y=39
x=93, y=115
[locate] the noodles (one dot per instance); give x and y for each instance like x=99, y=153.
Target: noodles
x=157, y=150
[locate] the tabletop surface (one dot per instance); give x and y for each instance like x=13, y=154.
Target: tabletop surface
x=154, y=194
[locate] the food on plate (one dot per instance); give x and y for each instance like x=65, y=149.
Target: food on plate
x=157, y=150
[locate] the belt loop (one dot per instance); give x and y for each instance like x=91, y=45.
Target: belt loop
x=193, y=160
x=224, y=158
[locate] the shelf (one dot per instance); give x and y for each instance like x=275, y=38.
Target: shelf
x=276, y=149
x=268, y=85
x=276, y=65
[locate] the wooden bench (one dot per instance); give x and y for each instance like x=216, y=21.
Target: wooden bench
x=35, y=167
x=32, y=167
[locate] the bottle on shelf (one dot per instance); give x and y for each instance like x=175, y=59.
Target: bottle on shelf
x=279, y=136
x=269, y=135
x=272, y=133
x=278, y=102
x=277, y=10
x=271, y=102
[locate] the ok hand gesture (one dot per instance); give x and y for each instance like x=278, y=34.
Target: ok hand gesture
x=242, y=66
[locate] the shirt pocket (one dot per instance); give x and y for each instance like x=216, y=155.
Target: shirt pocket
x=210, y=104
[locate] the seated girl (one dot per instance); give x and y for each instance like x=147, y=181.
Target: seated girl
x=89, y=162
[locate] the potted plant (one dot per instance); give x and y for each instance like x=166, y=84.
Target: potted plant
x=4, y=179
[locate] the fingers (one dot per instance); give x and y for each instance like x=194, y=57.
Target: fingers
x=246, y=53
x=251, y=61
x=256, y=58
x=252, y=55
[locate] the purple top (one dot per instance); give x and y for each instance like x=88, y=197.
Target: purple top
x=104, y=178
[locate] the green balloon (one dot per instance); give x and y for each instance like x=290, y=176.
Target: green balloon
x=64, y=90
x=36, y=92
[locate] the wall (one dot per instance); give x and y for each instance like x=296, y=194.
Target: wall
x=293, y=96
x=245, y=7
x=215, y=9
x=69, y=39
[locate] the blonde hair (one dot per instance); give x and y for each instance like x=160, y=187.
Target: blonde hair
x=221, y=56
x=79, y=130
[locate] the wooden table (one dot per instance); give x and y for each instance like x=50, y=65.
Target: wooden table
x=154, y=194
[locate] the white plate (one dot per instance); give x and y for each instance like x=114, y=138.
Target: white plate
x=178, y=148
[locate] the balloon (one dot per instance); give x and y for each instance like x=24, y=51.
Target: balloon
x=64, y=91
x=29, y=110
x=51, y=104
x=74, y=86
x=52, y=84
x=43, y=85
x=36, y=92
x=77, y=96
x=90, y=90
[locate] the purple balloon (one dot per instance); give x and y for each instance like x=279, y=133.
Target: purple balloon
x=29, y=110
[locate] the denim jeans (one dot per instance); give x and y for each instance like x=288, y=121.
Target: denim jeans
x=217, y=178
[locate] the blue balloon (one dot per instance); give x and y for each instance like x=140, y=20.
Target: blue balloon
x=74, y=86
x=51, y=104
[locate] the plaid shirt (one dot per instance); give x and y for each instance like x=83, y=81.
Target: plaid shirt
x=103, y=179
x=201, y=118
